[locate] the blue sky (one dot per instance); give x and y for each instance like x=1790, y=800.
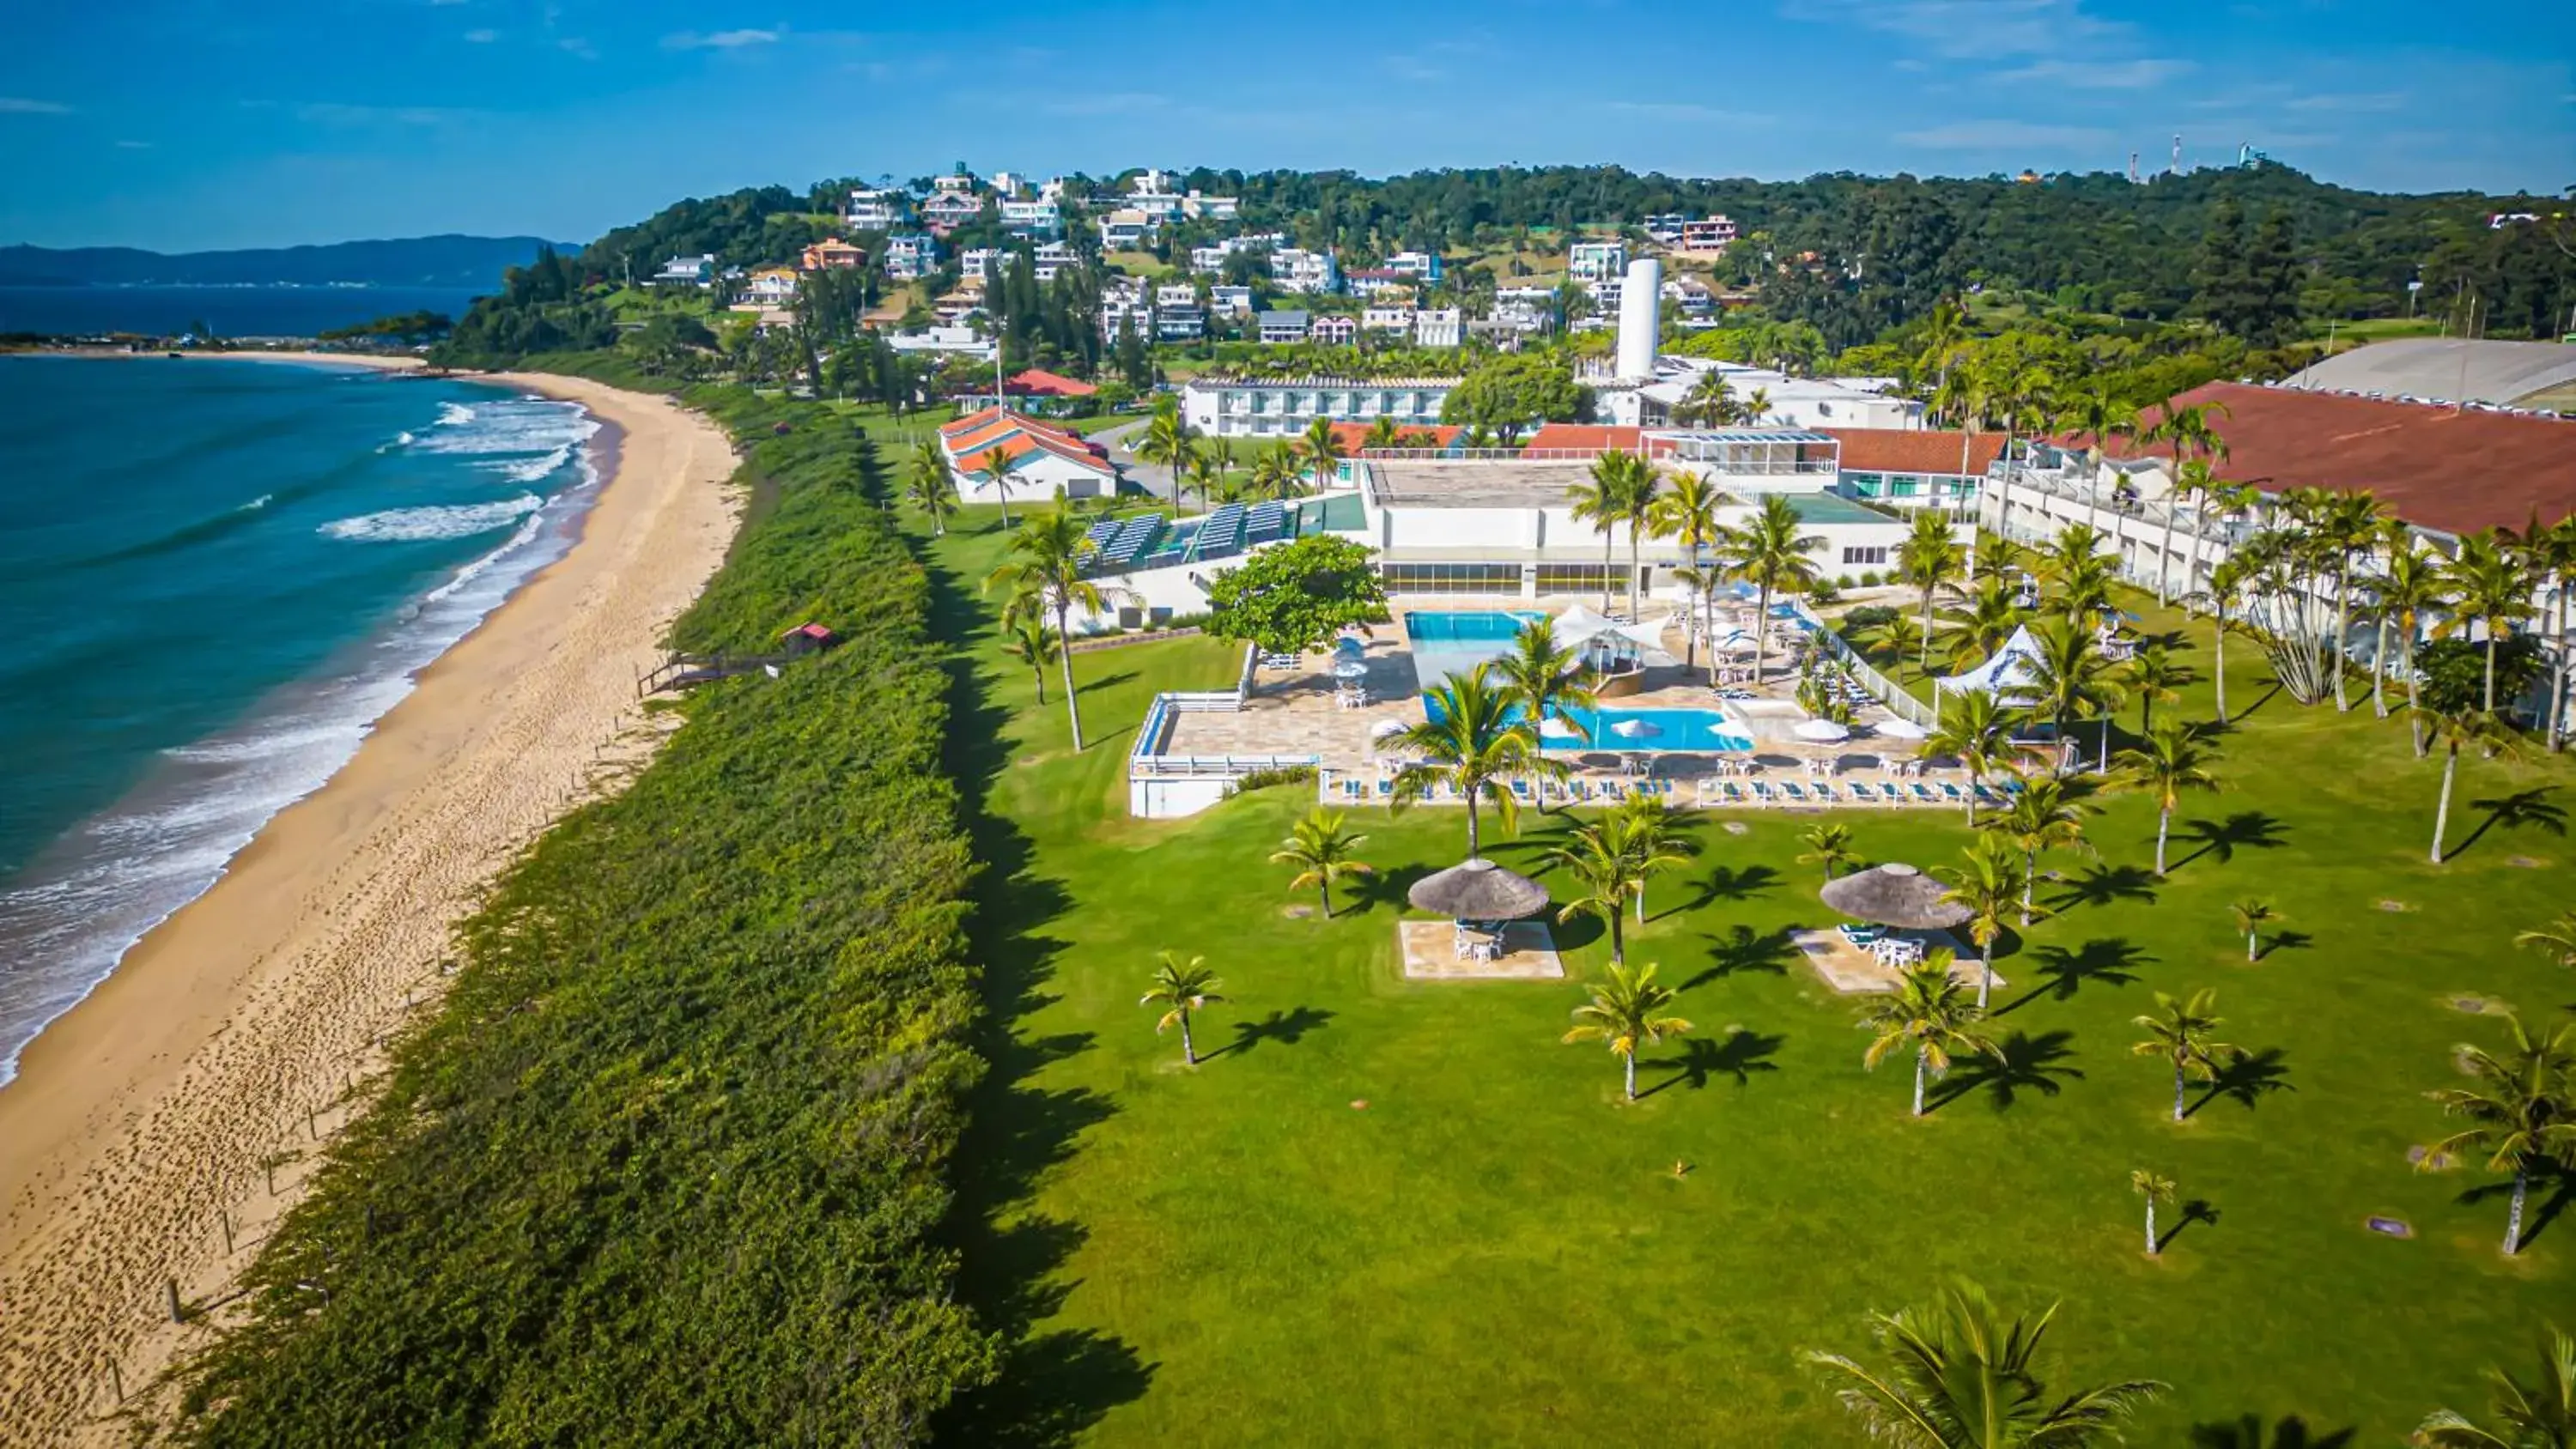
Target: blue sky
x=190, y=124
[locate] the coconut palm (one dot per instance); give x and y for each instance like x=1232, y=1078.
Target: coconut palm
x=2541, y=1416
x=2046, y=813
x=932, y=487
x=1602, y=500
x=2521, y=1111
x=2556, y=940
x=1902, y=638
x=1049, y=555
x=2549, y=556
x=2407, y=588
x=2252, y=914
x=1970, y=634
x=1930, y=1013
x=1026, y=638
x=1686, y=513
x=2153, y=677
x=1165, y=443
x=2451, y=729
x=1652, y=836
x=1322, y=449
x=1203, y=468
x=1546, y=679
x=1987, y=884
x=1625, y=1013
x=2105, y=419
x=1638, y=510
x=1182, y=989
x=1829, y=846
x=2347, y=526
x=1930, y=560
x=2489, y=586
x=2070, y=679
x=2194, y=480
x=1384, y=433
x=2179, y=1032
x=1770, y=553
x=2170, y=760
x=1323, y=852
x=1472, y=744
x=1757, y=405
x=1977, y=728
x=995, y=473
x=1275, y=472
x=1710, y=403
x=1597, y=859
x=2228, y=582
x=1964, y=1377
x=2155, y=1190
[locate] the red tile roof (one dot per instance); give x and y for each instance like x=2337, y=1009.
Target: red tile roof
x=972, y=438
x=1354, y=436
x=1582, y=438
x=1038, y=382
x=2458, y=472
x=1914, y=450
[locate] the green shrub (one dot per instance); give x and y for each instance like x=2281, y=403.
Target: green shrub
x=1265, y=779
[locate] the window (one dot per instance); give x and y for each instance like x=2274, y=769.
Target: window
x=1449, y=578
x=1864, y=555
x=1865, y=485
x=1904, y=485
x=1575, y=578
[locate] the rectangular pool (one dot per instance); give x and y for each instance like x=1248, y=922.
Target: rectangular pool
x=1446, y=643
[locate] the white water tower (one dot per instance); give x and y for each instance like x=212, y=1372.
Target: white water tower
x=1641, y=298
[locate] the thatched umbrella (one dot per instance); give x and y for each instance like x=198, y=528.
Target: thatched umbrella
x=1479, y=890
x=1894, y=895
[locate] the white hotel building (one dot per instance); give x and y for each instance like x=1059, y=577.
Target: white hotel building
x=1244, y=407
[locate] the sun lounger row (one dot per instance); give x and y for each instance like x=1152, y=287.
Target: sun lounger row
x=1352, y=790
x=1724, y=794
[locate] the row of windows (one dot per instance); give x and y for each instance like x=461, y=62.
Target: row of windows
x=1907, y=485
x=1576, y=578
x=1452, y=578
x=1864, y=555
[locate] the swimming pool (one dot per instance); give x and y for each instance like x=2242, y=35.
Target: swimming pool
x=1446, y=643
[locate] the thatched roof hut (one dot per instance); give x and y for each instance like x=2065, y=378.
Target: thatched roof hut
x=1479, y=890
x=1894, y=895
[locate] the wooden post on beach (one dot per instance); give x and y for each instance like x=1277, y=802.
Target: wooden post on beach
x=310, y=1130
x=271, y=1165
x=226, y=1219
x=116, y=1380
x=170, y=1286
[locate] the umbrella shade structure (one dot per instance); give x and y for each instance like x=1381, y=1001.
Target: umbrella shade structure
x=1350, y=669
x=1820, y=731
x=1635, y=729
x=1904, y=729
x=1558, y=727
x=1894, y=895
x=1387, y=728
x=1478, y=890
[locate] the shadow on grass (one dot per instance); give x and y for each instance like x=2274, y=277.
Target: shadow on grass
x=1744, y=949
x=1106, y=681
x=1284, y=1027
x=2522, y=810
x=2244, y=830
x=2104, y=885
x=2061, y=972
x=1731, y=883
x=2249, y=1433
x=2553, y=1191
x=1738, y=1056
x=2245, y=1080
x=2284, y=941
x=2198, y=1210
x=1385, y=888
x=1052, y=1385
x=2025, y=1063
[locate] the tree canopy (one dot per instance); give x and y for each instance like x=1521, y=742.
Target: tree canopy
x=1294, y=597
x=1513, y=392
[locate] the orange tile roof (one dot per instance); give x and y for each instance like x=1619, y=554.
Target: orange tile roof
x=1354, y=436
x=970, y=439
x=1583, y=438
x=1914, y=450
x=1040, y=382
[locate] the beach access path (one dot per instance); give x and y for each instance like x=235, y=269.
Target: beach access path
x=146, y=1125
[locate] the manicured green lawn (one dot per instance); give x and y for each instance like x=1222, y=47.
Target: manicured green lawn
x=1395, y=1213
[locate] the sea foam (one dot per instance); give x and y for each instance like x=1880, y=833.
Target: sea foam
x=415, y=525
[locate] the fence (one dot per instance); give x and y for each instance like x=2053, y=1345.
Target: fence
x=1899, y=701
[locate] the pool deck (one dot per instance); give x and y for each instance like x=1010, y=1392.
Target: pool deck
x=1295, y=713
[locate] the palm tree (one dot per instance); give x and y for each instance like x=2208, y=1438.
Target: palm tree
x=1322, y=852
x=2452, y=729
x=1944, y=337
x=1648, y=832
x=2194, y=480
x=995, y=472
x=2347, y=525
x=2549, y=554
x=1930, y=560
x=2489, y=586
x=1182, y=989
x=1977, y=728
x=1026, y=638
x=1322, y=449
x=2556, y=940
x=1930, y=1013
x=1599, y=862
x=2410, y=584
x=1602, y=500
x=1203, y=467
x=1710, y=403
x=1546, y=679
x=1970, y=635
x=1986, y=885
x=2179, y=1032
x=1275, y=472
x=1829, y=846
x=2227, y=585
x=2070, y=678
x=2155, y=1190
x=2170, y=760
x=1049, y=554
x=1770, y=553
x=2521, y=1111
x=2153, y=676
x=2252, y=913
x=1686, y=513
x=2046, y=813
x=2542, y=1416
x=2103, y=418
x=933, y=487
x=1166, y=440
x=1624, y=1014
x=1757, y=405
x=1472, y=744
x=1965, y=1378
x=1637, y=509
x=1384, y=433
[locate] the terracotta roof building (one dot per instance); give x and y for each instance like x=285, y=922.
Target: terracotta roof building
x=1915, y=450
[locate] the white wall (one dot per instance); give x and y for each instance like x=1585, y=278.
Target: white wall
x=1038, y=474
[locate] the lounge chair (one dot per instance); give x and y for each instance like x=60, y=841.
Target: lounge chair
x=1762, y=793
x=1951, y=792
x=1924, y=793
x=1796, y=795
x=1827, y=793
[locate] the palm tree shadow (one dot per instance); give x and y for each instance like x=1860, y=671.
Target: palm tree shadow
x=1284, y=1027
x=1739, y=1056
x=2554, y=1185
x=2245, y=830
x=2285, y=941
x=1383, y=888
x=1731, y=883
x=2023, y=1063
x=2103, y=885
x=2198, y=1210
x=1106, y=681
x=1745, y=949
x=2524, y=808
x=2248, y=1433
x=2112, y=961
x=2246, y=1079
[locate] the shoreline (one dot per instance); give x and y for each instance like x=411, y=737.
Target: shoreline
x=144, y=1122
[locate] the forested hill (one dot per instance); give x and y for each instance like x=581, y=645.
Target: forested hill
x=428, y=261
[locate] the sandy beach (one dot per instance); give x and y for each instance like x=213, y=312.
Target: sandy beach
x=179, y=1105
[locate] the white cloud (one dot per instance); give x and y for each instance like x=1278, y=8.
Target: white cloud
x=2004, y=136
x=1965, y=29
x=1111, y=103
x=576, y=46
x=134, y=145
x=721, y=39
x=2118, y=75
x=21, y=106
x=2373, y=101
x=481, y=37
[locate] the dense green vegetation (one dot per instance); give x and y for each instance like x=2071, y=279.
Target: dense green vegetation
x=667, y=1164
x=1391, y=1211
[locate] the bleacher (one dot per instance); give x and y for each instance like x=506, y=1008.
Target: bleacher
x=1101, y=531
x=1131, y=538
x=1265, y=523
x=1220, y=533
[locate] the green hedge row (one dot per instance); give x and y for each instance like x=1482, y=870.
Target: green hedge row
x=666, y=1165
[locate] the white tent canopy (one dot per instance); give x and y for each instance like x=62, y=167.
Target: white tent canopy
x=1577, y=625
x=2012, y=674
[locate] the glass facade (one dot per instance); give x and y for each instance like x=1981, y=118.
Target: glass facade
x=1575, y=578
x=1452, y=578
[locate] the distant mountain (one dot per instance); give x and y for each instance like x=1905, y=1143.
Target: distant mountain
x=427, y=261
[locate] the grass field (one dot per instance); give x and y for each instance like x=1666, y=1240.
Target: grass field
x=1399, y=1213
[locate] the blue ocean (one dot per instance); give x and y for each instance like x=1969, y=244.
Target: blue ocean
x=214, y=577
